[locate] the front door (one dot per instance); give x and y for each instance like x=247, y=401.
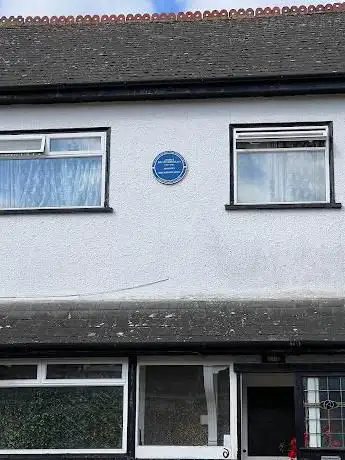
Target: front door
x=268, y=422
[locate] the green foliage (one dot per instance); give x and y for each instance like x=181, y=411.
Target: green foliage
x=61, y=418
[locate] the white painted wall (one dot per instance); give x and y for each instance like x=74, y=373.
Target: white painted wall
x=178, y=237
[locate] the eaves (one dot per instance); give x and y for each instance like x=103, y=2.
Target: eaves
x=268, y=86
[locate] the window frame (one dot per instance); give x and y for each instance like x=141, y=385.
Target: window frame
x=47, y=134
x=334, y=371
x=42, y=382
x=8, y=137
x=293, y=126
x=305, y=371
x=183, y=452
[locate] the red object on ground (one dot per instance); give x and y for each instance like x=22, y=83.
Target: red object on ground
x=293, y=448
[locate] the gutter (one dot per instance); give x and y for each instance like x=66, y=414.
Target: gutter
x=54, y=349
x=171, y=90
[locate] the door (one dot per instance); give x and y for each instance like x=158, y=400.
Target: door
x=268, y=420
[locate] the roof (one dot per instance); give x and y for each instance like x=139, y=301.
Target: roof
x=171, y=52
x=185, y=324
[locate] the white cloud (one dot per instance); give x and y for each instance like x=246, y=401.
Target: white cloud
x=73, y=7
x=194, y=5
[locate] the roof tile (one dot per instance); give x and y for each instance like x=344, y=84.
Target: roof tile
x=138, y=52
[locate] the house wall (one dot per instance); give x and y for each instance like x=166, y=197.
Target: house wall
x=176, y=241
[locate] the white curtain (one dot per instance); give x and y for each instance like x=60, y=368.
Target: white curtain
x=70, y=144
x=35, y=183
x=313, y=412
x=281, y=177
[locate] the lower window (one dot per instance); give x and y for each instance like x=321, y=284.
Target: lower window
x=63, y=408
x=185, y=411
x=324, y=404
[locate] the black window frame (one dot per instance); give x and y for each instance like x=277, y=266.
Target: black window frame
x=331, y=204
x=104, y=208
x=299, y=371
x=314, y=453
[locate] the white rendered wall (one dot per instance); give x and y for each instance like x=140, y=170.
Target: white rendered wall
x=176, y=241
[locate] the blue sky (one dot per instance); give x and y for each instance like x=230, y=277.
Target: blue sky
x=161, y=6
x=74, y=7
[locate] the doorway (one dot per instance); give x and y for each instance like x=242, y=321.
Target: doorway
x=268, y=416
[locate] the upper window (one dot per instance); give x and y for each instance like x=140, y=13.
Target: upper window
x=54, y=170
x=281, y=165
x=63, y=407
x=186, y=410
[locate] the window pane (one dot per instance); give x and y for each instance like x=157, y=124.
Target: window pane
x=61, y=418
x=323, y=383
x=334, y=383
x=18, y=372
x=75, y=144
x=325, y=423
x=59, y=182
x=84, y=371
x=184, y=405
x=20, y=145
x=281, y=177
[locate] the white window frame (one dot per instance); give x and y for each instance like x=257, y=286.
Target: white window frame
x=45, y=154
x=281, y=133
x=42, y=381
x=228, y=451
x=24, y=137
x=75, y=153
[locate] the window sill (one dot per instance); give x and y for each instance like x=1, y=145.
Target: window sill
x=316, y=453
x=245, y=207
x=57, y=211
x=322, y=449
x=181, y=452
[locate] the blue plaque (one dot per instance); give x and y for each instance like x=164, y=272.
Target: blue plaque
x=169, y=167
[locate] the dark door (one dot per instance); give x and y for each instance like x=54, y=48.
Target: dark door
x=271, y=420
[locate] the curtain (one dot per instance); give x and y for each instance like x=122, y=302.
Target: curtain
x=75, y=144
x=281, y=177
x=313, y=412
x=62, y=182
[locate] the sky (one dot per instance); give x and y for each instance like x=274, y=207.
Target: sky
x=75, y=7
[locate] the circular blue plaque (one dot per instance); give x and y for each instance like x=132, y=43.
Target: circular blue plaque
x=169, y=167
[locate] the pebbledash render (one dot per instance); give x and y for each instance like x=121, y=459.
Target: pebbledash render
x=172, y=238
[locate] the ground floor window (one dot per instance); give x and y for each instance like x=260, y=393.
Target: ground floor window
x=171, y=407
x=324, y=403
x=186, y=410
x=69, y=407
